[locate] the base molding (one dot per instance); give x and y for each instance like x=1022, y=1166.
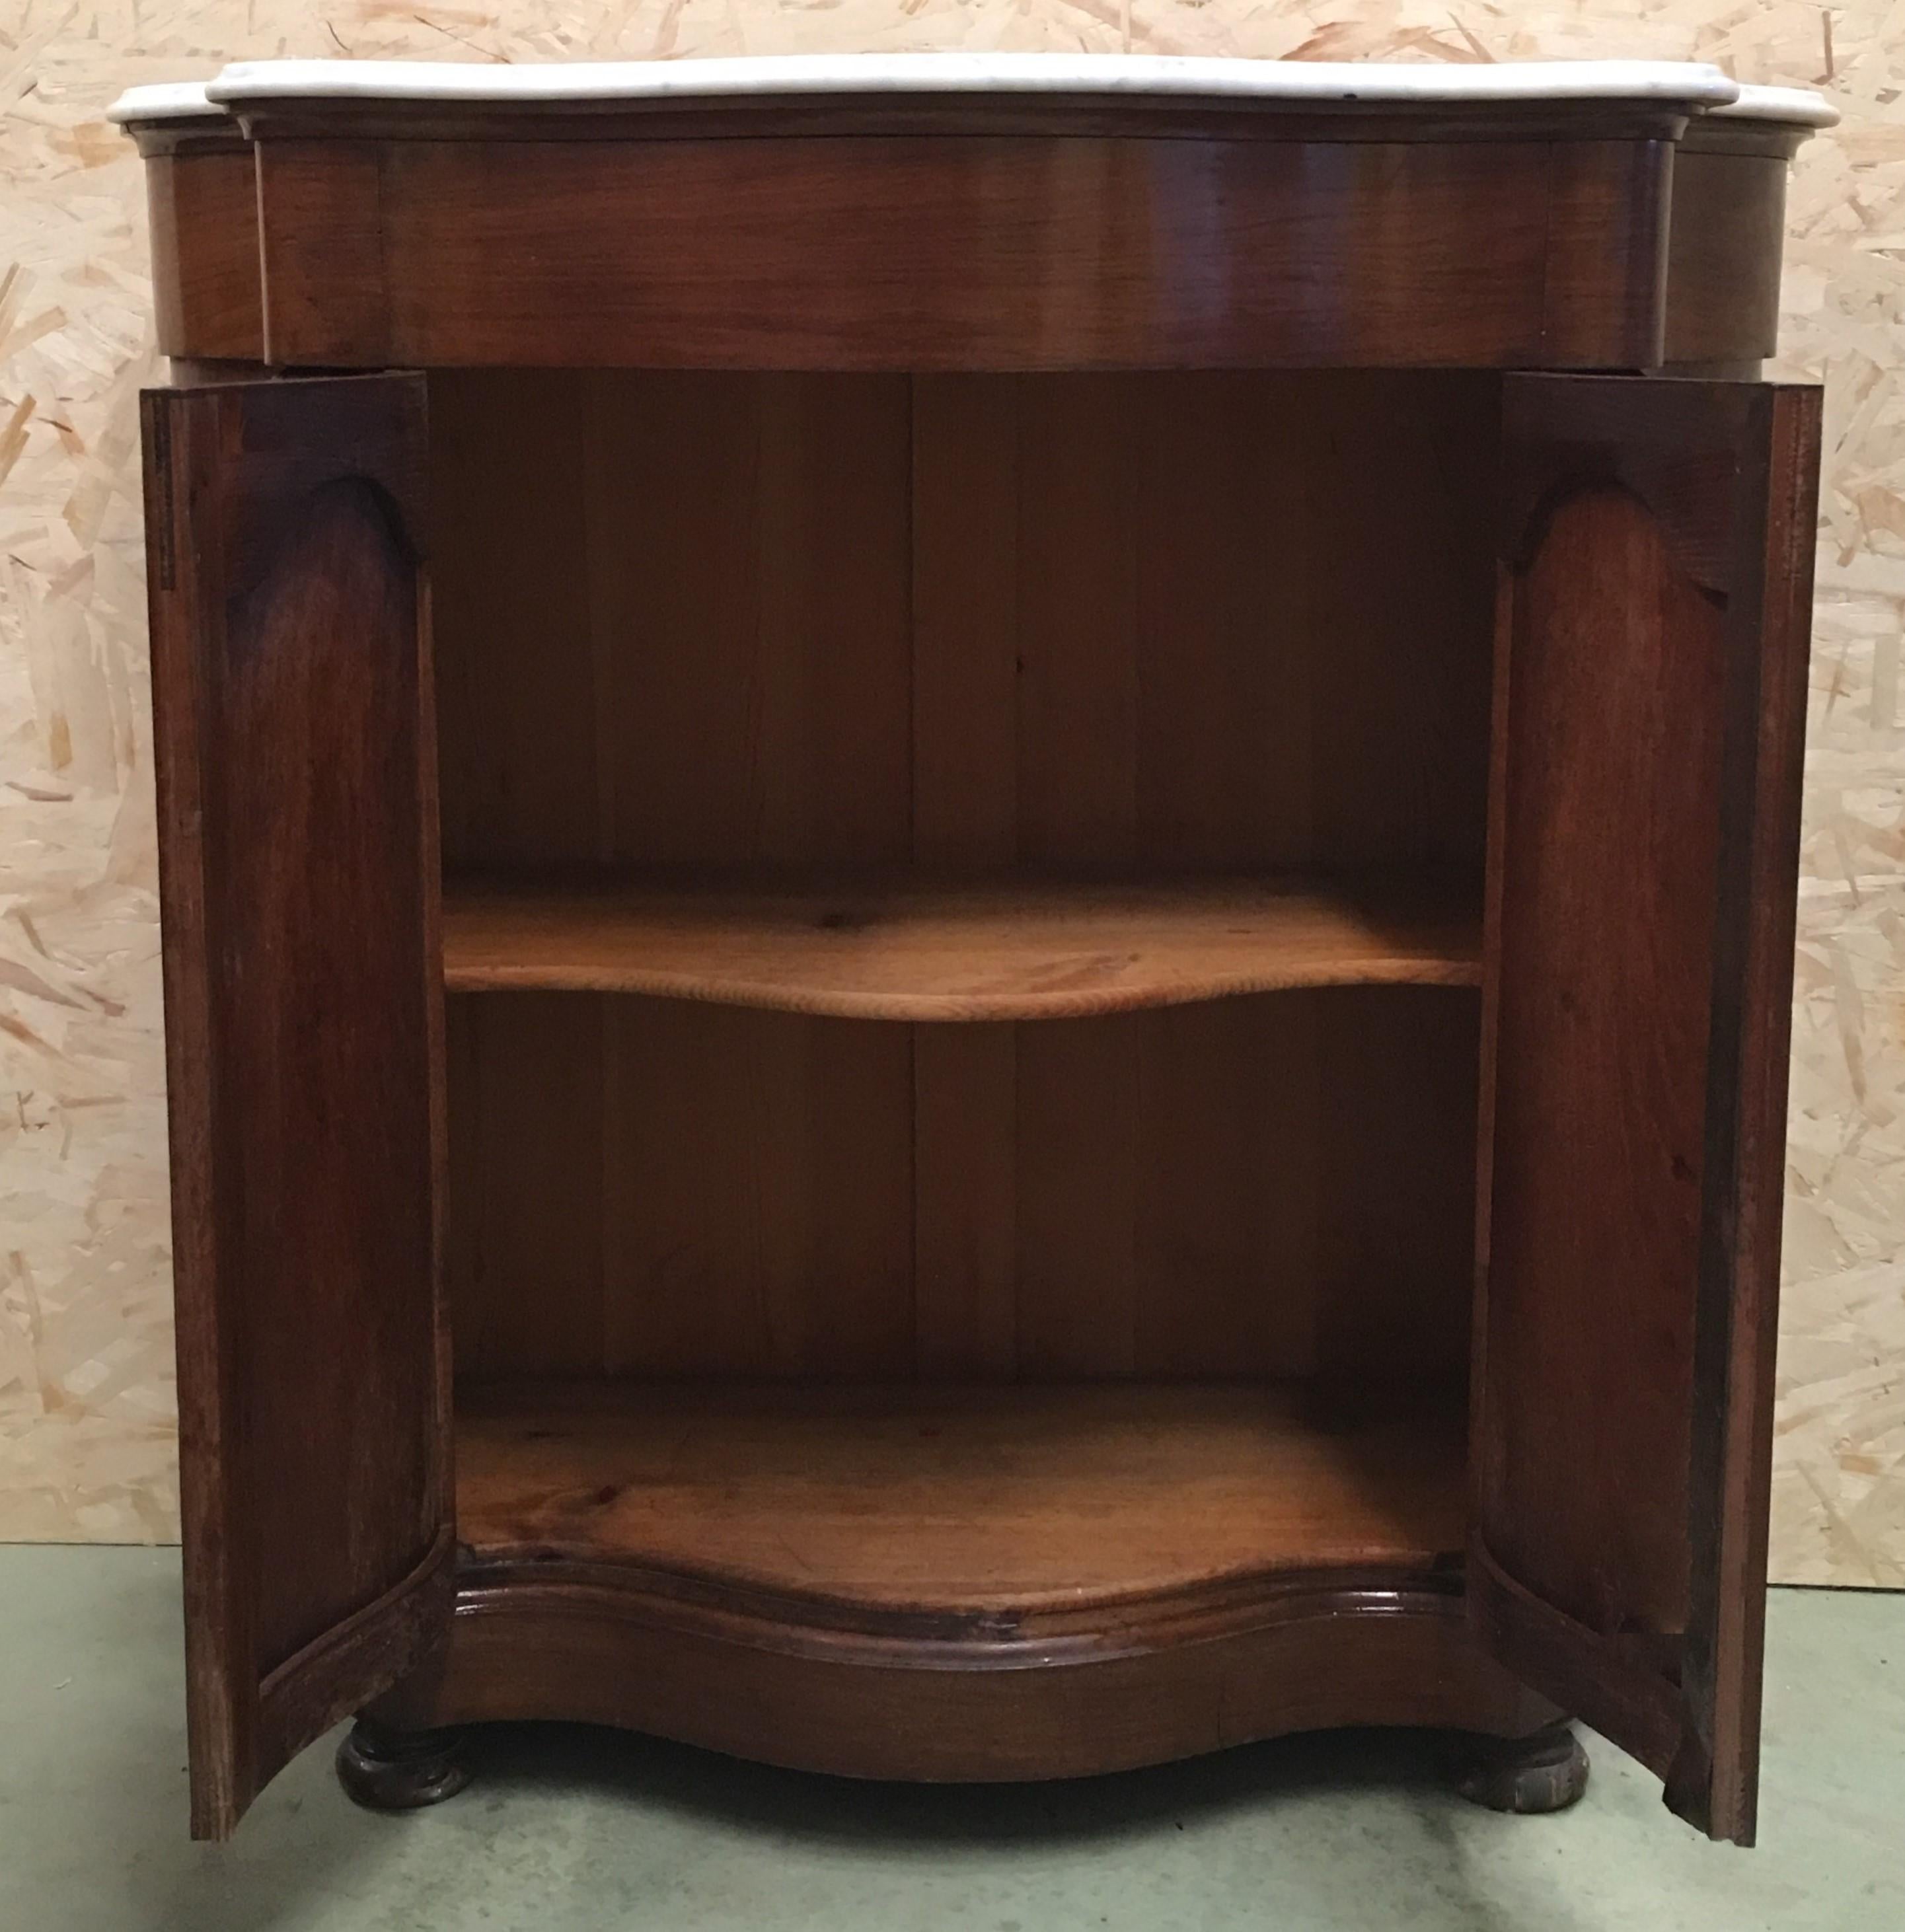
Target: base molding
x=1173, y=1680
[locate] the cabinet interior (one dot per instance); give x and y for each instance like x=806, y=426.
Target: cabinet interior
x=962, y=923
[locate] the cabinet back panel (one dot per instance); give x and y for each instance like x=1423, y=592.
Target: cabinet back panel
x=1278, y=1185
x=1145, y=623
x=1154, y=620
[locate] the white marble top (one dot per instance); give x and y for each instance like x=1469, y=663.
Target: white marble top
x=1799, y=106
x=1697, y=87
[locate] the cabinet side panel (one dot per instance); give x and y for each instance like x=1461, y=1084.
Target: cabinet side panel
x=203, y=207
x=1724, y=249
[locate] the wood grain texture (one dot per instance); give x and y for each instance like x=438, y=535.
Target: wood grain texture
x=292, y=683
x=1592, y=284
x=861, y=1581
x=1604, y=276
x=324, y=257
x=1645, y=801
x=1386, y=1648
x=931, y=251
x=1723, y=256
x=915, y=950
x=85, y=1338
x=1651, y=251
x=768, y=1194
x=1733, y=1446
x=994, y=1511
x=203, y=209
x=980, y=1082
x=1014, y=627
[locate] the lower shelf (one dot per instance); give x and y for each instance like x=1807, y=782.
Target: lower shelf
x=995, y=1505
x=959, y=1584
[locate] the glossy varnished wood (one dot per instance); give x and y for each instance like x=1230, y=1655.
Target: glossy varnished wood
x=1723, y=256
x=913, y=949
x=292, y=690
x=932, y=252
x=202, y=201
x=1274, y=1185
x=1381, y=1648
x=1638, y=969
x=794, y=623
x=883, y=578
x=963, y=1583
x=960, y=1512
x=1047, y=244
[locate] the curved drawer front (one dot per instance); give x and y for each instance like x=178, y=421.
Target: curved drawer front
x=991, y=233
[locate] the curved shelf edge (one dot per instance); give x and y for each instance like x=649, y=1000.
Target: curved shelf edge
x=943, y=952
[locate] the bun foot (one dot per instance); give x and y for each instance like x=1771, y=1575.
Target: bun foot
x=1547, y=1771
x=401, y=1771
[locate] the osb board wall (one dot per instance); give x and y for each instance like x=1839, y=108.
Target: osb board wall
x=85, y=1395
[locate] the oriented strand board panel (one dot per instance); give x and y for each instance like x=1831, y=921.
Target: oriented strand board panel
x=85, y=1341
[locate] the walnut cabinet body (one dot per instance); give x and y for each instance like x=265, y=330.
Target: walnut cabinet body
x=978, y=919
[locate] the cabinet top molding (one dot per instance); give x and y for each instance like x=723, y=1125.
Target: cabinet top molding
x=1692, y=87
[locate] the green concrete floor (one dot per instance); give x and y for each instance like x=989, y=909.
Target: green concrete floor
x=574, y=1830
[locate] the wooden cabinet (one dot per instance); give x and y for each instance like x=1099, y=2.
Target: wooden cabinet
x=978, y=909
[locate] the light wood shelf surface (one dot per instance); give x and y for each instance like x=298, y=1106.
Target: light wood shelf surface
x=961, y=1499
x=1013, y=950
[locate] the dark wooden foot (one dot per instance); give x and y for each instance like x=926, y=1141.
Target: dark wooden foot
x=1547, y=1771
x=401, y=1771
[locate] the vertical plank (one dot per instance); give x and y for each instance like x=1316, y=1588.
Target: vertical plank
x=748, y=586
x=964, y=775
x=748, y=567
x=1079, y=449
x=838, y=1193
x=1228, y=535
x=682, y=1199
x=1228, y=1212
x=832, y=763
x=760, y=1183
x=965, y=1244
x=832, y=756
x=1080, y=439
x=1394, y=1137
x=966, y=538
x=1079, y=1177
x=526, y=1127
x=1400, y=592
x=521, y=790
x=673, y=587
x=518, y=719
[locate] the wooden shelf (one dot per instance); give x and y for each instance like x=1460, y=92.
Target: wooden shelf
x=962, y=1500
x=1016, y=950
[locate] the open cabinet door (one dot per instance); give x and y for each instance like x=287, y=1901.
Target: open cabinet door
x=297, y=815
x=1657, y=542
